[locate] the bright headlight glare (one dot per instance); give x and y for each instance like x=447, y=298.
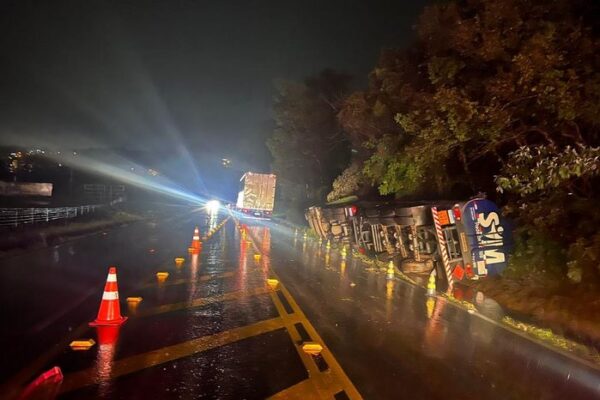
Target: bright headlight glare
x=213, y=206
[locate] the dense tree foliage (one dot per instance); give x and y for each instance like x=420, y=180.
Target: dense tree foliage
x=308, y=147
x=349, y=182
x=497, y=96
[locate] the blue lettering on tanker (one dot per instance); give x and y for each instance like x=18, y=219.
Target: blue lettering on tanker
x=487, y=236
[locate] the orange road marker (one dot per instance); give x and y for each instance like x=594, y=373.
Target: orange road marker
x=80, y=345
x=162, y=276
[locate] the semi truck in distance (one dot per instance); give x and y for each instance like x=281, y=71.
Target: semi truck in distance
x=256, y=197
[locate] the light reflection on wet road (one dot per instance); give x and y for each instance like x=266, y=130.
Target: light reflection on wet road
x=395, y=342
x=214, y=329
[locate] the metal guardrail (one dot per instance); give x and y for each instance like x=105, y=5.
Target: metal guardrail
x=22, y=216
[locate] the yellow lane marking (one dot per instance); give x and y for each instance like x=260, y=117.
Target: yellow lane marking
x=334, y=366
x=201, y=278
x=295, y=336
x=153, y=358
x=303, y=390
x=321, y=385
x=229, y=296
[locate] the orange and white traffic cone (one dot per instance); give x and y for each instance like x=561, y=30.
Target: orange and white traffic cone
x=110, y=310
x=196, y=243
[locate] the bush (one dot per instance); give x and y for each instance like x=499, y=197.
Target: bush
x=536, y=254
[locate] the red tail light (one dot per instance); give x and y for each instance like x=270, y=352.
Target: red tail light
x=456, y=212
x=353, y=211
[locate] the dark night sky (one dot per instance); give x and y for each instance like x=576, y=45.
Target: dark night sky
x=148, y=74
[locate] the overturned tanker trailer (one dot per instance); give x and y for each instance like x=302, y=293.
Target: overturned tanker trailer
x=462, y=240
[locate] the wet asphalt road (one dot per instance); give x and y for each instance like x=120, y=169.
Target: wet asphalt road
x=394, y=342
x=217, y=329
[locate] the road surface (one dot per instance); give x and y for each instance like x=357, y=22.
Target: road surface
x=231, y=322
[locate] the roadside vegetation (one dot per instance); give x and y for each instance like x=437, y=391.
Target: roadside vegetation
x=497, y=97
x=308, y=146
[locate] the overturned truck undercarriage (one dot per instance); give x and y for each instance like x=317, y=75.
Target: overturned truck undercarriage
x=462, y=240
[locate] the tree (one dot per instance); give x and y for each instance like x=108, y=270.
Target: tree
x=348, y=183
x=307, y=144
x=486, y=85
